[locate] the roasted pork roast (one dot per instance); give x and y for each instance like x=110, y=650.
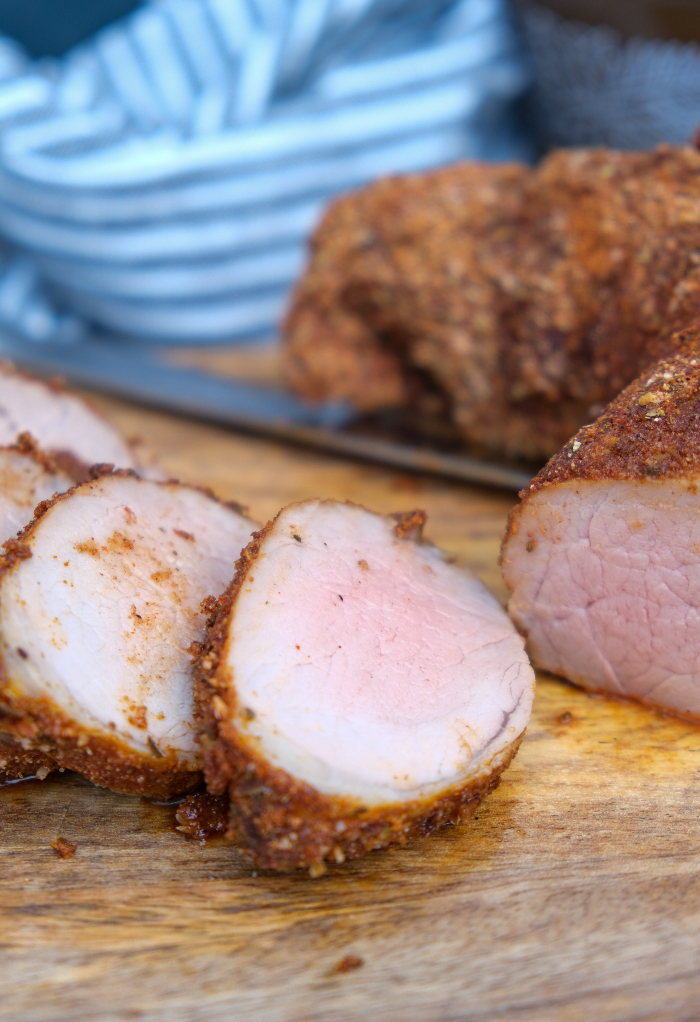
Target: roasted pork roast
x=60, y=422
x=355, y=688
x=602, y=556
x=519, y=300
x=99, y=607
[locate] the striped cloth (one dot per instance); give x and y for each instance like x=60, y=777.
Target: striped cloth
x=162, y=180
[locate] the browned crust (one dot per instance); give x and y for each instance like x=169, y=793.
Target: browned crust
x=410, y=524
x=647, y=440
x=63, y=849
x=278, y=821
x=16, y=762
x=335, y=357
x=281, y=823
x=630, y=440
x=203, y=816
x=27, y=445
x=529, y=297
x=52, y=462
x=102, y=758
x=207, y=655
x=73, y=467
x=15, y=550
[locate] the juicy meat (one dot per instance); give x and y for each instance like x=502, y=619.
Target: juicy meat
x=526, y=297
x=602, y=557
x=60, y=422
x=356, y=688
x=99, y=607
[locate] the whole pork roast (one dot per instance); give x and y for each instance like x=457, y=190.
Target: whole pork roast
x=519, y=299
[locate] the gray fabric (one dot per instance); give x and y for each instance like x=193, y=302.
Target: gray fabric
x=591, y=87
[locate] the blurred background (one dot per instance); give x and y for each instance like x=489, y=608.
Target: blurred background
x=48, y=28
x=162, y=164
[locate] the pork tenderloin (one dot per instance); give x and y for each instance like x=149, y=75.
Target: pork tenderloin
x=602, y=555
x=355, y=688
x=99, y=606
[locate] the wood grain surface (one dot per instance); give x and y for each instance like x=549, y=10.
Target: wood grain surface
x=574, y=895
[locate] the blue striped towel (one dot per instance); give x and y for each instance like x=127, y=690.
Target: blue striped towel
x=162, y=180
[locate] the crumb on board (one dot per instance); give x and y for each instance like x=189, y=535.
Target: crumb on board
x=203, y=817
x=64, y=849
x=349, y=963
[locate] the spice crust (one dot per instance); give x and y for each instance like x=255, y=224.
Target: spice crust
x=647, y=433
x=16, y=761
x=103, y=759
x=516, y=300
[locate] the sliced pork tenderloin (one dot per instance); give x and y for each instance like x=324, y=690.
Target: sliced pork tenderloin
x=356, y=689
x=61, y=423
x=99, y=606
x=602, y=557
x=27, y=476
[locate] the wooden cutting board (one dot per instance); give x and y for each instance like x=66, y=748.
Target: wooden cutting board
x=574, y=894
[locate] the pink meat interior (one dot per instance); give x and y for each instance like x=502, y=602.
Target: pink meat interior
x=605, y=579
x=371, y=654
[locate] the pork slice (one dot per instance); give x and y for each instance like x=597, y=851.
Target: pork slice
x=602, y=557
x=99, y=606
x=60, y=422
x=356, y=688
x=27, y=476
